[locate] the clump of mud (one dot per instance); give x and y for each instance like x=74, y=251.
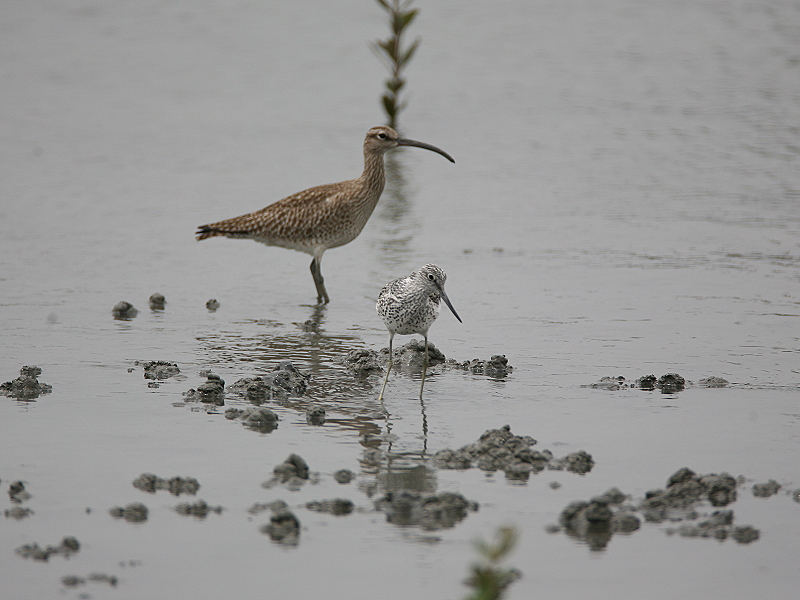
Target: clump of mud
x=17, y=492
x=159, y=369
x=499, y=449
x=713, y=382
x=292, y=472
x=428, y=511
x=124, y=311
x=212, y=305
x=293, y=466
x=26, y=386
x=67, y=547
x=337, y=506
x=496, y=367
x=597, y=520
x=284, y=380
x=75, y=581
x=197, y=509
x=147, y=482
x=18, y=513
x=315, y=415
x=684, y=490
x=669, y=383
x=210, y=392
x=283, y=526
x=344, y=476
x=260, y=507
x=157, y=302
x=718, y=526
x=363, y=362
x=135, y=512
x=609, y=383
x=411, y=357
x=765, y=490
x=257, y=418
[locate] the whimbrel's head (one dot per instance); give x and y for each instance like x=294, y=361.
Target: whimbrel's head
x=380, y=139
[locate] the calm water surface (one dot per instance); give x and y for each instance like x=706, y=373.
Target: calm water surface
x=624, y=202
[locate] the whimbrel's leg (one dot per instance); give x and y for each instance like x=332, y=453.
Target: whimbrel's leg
x=388, y=369
x=319, y=281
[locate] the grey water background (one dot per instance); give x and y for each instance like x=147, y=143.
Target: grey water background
x=624, y=202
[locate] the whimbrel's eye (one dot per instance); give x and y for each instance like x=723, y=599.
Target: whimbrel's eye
x=431, y=277
x=383, y=136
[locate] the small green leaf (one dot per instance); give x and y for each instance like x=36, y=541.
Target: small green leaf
x=395, y=84
x=408, y=17
x=388, y=104
x=390, y=47
x=409, y=53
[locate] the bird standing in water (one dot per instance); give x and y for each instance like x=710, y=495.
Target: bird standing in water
x=410, y=305
x=322, y=217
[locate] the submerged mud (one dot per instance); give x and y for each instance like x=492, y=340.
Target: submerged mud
x=410, y=498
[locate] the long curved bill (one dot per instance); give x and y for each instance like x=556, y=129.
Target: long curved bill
x=405, y=142
x=450, y=306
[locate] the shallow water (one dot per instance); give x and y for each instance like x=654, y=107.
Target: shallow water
x=624, y=202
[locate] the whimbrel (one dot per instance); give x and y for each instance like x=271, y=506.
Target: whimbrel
x=410, y=305
x=322, y=217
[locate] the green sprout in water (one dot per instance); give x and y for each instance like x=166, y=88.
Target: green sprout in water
x=394, y=55
x=487, y=579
